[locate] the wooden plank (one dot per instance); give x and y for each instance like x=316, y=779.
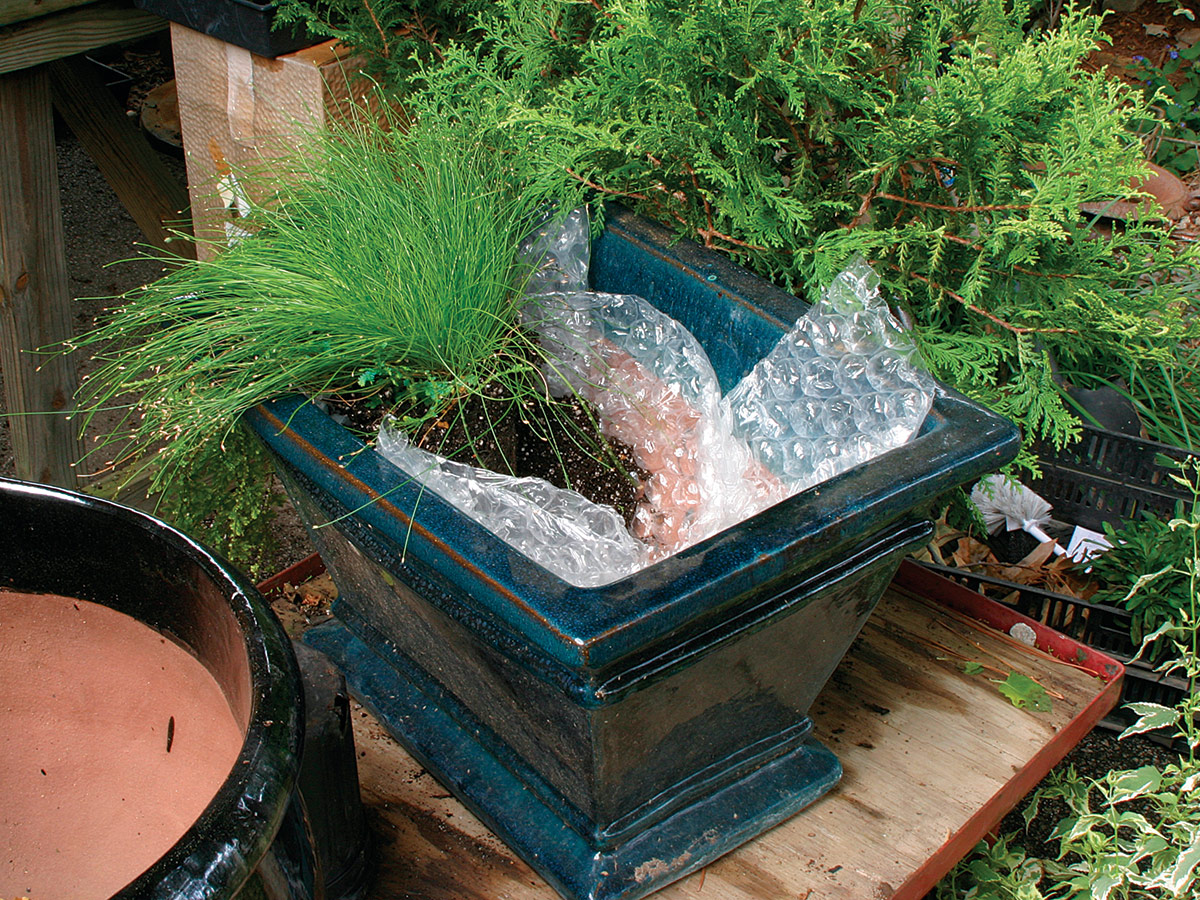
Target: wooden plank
x=35, y=305
x=73, y=31
x=22, y=10
x=238, y=110
x=931, y=757
x=142, y=182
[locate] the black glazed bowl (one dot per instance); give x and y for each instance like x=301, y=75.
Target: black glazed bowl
x=252, y=834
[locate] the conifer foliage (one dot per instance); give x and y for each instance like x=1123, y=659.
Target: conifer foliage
x=937, y=138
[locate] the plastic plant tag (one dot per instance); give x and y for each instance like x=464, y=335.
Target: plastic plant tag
x=1086, y=544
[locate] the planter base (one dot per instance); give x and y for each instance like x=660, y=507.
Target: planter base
x=444, y=738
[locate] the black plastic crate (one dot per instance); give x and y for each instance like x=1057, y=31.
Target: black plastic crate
x=244, y=23
x=1100, y=626
x=1108, y=477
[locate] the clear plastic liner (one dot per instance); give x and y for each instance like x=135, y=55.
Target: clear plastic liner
x=842, y=387
x=581, y=542
x=559, y=254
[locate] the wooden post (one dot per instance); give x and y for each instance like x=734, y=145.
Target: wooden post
x=35, y=305
x=239, y=110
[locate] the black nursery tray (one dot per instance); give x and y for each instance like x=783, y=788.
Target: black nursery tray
x=1108, y=477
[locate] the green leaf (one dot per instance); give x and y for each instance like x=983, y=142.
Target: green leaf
x=1151, y=716
x=1022, y=691
x=1102, y=886
x=1134, y=783
x=1181, y=876
x=972, y=667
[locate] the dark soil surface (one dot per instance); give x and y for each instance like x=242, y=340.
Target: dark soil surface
x=1150, y=31
x=1099, y=752
x=579, y=458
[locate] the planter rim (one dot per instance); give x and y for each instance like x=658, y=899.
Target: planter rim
x=589, y=627
x=216, y=855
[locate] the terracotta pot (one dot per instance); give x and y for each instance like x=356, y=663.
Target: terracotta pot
x=619, y=737
x=252, y=835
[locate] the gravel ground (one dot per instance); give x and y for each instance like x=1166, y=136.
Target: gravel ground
x=100, y=235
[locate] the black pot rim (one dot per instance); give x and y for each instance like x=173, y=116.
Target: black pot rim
x=219, y=852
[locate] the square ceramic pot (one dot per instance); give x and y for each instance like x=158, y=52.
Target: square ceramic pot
x=621, y=736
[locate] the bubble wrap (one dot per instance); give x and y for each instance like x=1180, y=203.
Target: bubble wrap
x=558, y=254
x=842, y=387
x=582, y=542
x=655, y=390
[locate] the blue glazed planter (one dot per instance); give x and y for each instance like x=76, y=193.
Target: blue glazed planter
x=619, y=737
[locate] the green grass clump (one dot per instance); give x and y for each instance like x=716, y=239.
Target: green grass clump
x=386, y=259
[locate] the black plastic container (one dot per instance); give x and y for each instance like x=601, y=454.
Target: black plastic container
x=252, y=839
x=245, y=23
x=1108, y=477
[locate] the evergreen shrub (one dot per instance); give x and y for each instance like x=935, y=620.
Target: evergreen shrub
x=939, y=139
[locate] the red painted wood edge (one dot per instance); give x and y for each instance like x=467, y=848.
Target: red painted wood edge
x=952, y=595
x=309, y=567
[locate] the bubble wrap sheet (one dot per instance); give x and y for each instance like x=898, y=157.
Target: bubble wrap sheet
x=581, y=542
x=842, y=387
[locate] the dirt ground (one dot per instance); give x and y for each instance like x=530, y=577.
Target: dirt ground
x=101, y=239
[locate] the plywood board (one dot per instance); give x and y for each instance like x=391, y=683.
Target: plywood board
x=933, y=758
x=71, y=31
x=238, y=110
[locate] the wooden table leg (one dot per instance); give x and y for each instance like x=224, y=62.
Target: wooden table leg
x=35, y=303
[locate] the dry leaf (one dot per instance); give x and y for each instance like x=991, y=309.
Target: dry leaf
x=1170, y=195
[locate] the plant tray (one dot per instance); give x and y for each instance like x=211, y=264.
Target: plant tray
x=1103, y=627
x=1108, y=477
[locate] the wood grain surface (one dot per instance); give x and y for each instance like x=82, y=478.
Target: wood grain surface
x=35, y=303
x=72, y=30
x=135, y=171
x=238, y=111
